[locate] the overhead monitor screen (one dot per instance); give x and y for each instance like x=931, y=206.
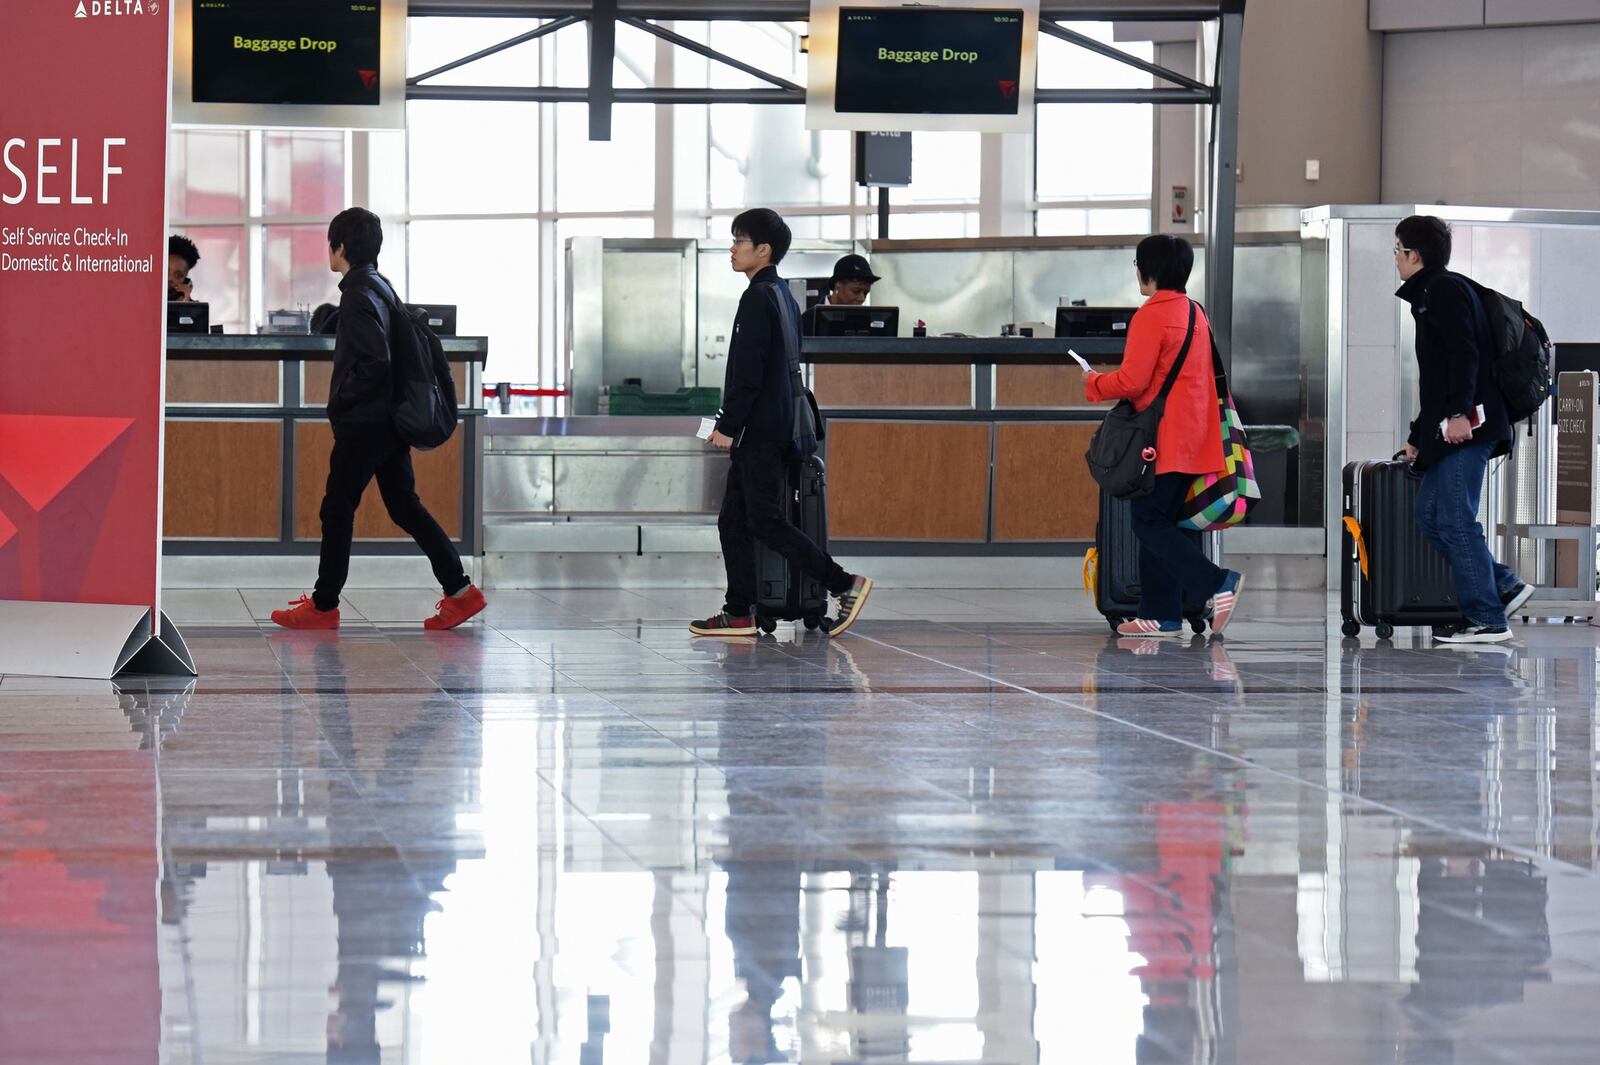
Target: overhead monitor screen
x=286, y=52
x=929, y=61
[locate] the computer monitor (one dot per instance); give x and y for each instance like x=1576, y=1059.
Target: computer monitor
x=188, y=317
x=440, y=317
x=1078, y=322
x=828, y=320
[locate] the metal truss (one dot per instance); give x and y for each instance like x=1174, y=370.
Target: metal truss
x=602, y=95
x=602, y=17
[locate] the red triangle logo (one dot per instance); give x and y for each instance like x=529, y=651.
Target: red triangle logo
x=40, y=454
x=1008, y=89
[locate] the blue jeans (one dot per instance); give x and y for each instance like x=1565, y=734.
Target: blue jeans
x=1447, y=513
x=1173, y=570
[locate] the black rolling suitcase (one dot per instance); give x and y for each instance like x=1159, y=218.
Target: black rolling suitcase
x=1389, y=574
x=1116, y=585
x=782, y=595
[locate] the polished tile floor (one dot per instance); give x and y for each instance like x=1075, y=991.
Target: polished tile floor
x=976, y=829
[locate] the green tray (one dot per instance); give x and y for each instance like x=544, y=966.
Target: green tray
x=632, y=399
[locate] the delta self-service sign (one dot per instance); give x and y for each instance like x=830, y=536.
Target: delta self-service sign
x=84, y=90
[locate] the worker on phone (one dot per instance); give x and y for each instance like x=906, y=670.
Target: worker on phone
x=182, y=257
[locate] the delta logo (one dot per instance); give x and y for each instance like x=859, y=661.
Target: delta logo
x=96, y=8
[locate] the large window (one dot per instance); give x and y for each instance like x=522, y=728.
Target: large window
x=478, y=198
x=1093, y=162
x=257, y=206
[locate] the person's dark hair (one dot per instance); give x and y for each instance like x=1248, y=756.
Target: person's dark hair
x=763, y=225
x=321, y=316
x=1428, y=236
x=359, y=230
x=1165, y=259
x=184, y=249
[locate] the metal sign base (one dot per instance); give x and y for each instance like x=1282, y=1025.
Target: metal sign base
x=88, y=640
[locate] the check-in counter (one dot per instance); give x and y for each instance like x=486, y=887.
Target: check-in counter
x=956, y=440
x=972, y=443
x=247, y=444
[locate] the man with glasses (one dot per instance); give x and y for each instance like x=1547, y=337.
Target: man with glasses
x=1449, y=444
x=757, y=424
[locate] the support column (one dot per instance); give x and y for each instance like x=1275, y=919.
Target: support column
x=1005, y=204
x=1176, y=155
x=666, y=128
x=602, y=67
x=1224, y=178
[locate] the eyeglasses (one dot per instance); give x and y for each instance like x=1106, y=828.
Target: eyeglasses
x=743, y=240
x=1400, y=249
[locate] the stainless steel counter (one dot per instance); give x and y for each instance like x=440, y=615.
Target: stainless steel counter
x=298, y=347
x=561, y=468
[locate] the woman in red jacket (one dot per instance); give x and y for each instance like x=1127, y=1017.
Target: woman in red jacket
x=1172, y=567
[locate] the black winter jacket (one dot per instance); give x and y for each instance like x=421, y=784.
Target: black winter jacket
x=360, y=392
x=757, y=398
x=1453, y=364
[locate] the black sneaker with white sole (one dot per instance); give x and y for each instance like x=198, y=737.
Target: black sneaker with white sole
x=1467, y=632
x=1516, y=599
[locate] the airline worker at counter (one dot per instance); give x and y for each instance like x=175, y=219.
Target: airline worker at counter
x=851, y=282
x=182, y=257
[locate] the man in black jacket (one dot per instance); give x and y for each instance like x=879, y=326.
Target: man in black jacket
x=364, y=441
x=757, y=423
x=1455, y=379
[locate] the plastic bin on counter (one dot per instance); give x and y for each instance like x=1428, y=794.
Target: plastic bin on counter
x=633, y=399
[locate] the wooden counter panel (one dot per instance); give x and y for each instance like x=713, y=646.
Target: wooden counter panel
x=1042, y=487
x=1040, y=386
x=908, y=480
x=232, y=383
x=223, y=479
x=438, y=484
x=892, y=386
x=317, y=376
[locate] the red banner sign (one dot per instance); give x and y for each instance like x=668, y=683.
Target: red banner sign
x=84, y=90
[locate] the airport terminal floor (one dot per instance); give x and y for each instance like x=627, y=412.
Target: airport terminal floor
x=977, y=828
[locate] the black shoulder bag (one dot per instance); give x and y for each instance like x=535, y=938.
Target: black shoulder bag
x=808, y=425
x=1122, y=452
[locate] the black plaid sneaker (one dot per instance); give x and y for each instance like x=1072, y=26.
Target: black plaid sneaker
x=850, y=603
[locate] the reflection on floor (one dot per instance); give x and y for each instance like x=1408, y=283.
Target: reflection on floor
x=976, y=829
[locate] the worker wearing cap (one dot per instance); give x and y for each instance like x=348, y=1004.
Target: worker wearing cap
x=851, y=282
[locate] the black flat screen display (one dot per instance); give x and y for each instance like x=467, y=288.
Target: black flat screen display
x=286, y=52
x=929, y=61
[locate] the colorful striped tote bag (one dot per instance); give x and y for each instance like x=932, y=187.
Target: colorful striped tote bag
x=1218, y=500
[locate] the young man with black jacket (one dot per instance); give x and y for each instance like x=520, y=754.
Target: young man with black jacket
x=757, y=424
x=1455, y=378
x=364, y=441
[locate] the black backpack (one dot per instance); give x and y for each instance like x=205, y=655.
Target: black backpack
x=1521, y=353
x=423, y=405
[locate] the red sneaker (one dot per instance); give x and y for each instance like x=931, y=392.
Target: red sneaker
x=305, y=615
x=454, y=609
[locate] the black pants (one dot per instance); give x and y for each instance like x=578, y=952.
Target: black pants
x=1173, y=570
x=753, y=509
x=359, y=456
